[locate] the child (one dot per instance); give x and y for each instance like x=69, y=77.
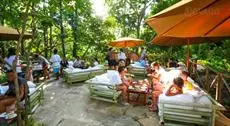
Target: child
x=176, y=88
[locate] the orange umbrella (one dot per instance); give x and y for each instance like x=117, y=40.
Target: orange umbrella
x=212, y=21
x=126, y=42
x=7, y=33
x=168, y=18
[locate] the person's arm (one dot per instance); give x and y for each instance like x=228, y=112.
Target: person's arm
x=21, y=91
x=169, y=93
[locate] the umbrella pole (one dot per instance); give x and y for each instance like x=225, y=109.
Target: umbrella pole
x=188, y=55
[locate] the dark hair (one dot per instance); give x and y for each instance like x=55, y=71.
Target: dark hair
x=156, y=65
x=9, y=71
x=55, y=51
x=96, y=59
x=184, y=73
x=120, y=69
x=178, y=81
x=110, y=49
x=121, y=50
x=36, y=55
x=11, y=52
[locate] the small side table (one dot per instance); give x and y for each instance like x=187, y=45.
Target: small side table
x=138, y=92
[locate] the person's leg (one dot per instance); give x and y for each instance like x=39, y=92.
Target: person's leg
x=155, y=96
x=6, y=102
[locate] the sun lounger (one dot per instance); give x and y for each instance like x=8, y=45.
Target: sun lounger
x=73, y=75
x=137, y=70
x=188, y=109
x=101, y=88
x=35, y=97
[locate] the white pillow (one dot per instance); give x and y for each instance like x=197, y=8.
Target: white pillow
x=31, y=84
x=3, y=89
x=114, y=77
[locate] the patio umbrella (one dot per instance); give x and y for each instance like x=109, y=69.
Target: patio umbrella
x=126, y=42
x=168, y=18
x=7, y=33
x=212, y=21
x=208, y=23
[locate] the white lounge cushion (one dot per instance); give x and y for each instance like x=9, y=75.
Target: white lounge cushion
x=3, y=89
x=31, y=84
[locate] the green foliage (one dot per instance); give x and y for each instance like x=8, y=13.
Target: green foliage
x=3, y=78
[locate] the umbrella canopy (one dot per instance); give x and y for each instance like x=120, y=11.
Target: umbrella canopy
x=126, y=42
x=176, y=41
x=11, y=34
x=168, y=18
x=209, y=23
x=212, y=21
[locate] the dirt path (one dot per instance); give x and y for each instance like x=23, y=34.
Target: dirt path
x=71, y=106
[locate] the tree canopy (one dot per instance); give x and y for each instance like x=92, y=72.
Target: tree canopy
x=72, y=27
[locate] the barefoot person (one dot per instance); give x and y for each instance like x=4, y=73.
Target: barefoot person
x=10, y=97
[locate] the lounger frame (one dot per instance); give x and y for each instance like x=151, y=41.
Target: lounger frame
x=109, y=94
x=186, y=116
x=137, y=71
x=74, y=77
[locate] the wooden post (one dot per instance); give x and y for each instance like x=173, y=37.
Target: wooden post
x=207, y=80
x=218, y=88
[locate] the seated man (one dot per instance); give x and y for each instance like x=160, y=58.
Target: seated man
x=64, y=64
x=176, y=87
x=144, y=62
x=10, y=97
x=172, y=63
x=43, y=62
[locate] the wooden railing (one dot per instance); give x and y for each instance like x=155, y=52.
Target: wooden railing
x=210, y=80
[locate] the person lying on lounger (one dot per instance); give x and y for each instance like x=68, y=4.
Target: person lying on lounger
x=188, y=86
x=10, y=97
x=176, y=87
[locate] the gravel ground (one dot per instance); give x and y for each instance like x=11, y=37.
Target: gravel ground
x=71, y=106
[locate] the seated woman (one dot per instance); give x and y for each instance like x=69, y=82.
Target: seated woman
x=176, y=88
x=125, y=83
x=155, y=76
x=10, y=97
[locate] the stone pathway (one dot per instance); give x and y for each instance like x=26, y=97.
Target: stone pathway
x=70, y=106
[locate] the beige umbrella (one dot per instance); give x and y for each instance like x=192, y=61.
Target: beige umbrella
x=7, y=33
x=126, y=42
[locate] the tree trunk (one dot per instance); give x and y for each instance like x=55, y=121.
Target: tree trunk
x=51, y=40
x=45, y=41
x=62, y=29
x=16, y=58
x=22, y=48
x=74, y=21
x=74, y=29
